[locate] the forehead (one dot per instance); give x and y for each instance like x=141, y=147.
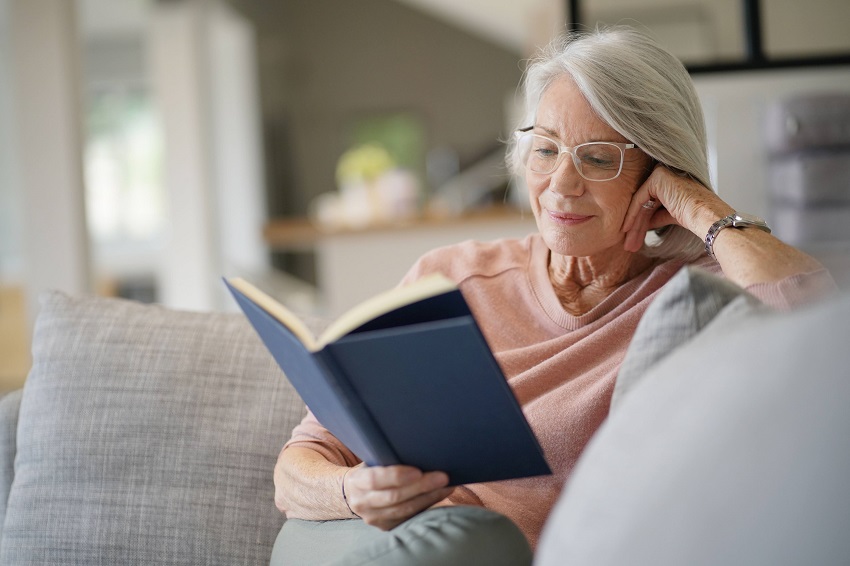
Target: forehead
x=563, y=112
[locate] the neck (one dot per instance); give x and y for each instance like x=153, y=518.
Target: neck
x=581, y=283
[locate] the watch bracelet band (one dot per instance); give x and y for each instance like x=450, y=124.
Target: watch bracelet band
x=713, y=231
x=735, y=220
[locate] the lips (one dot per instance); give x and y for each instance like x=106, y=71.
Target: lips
x=567, y=218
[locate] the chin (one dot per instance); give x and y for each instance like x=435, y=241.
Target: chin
x=564, y=244
x=570, y=245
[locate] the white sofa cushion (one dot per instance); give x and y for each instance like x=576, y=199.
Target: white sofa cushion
x=732, y=450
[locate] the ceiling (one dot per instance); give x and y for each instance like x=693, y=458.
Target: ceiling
x=504, y=22
x=507, y=23
x=515, y=25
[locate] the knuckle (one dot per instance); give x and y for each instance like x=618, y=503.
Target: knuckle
x=369, y=480
x=393, y=497
x=393, y=475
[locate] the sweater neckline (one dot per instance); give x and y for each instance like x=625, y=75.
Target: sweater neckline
x=541, y=286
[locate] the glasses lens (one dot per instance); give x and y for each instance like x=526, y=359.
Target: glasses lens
x=599, y=161
x=540, y=154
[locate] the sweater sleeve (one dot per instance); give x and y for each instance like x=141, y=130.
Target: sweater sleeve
x=796, y=290
x=311, y=434
x=786, y=294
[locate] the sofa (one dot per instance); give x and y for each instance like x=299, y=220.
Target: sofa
x=145, y=435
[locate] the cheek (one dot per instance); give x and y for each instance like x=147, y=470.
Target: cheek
x=637, y=173
x=617, y=203
x=620, y=216
x=536, y=185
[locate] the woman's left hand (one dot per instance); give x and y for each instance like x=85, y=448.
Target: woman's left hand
x=746, y=257
x=667, y=198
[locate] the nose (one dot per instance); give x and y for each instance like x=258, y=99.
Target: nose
x=565, y=180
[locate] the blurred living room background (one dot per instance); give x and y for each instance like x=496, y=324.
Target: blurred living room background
x=318, y=147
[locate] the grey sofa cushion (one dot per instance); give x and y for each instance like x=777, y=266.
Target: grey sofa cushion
x=146, y=436
x=687, y=304
x=10, y=405
x=732, y=450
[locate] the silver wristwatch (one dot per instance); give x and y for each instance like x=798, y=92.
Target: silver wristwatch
x=736, y=220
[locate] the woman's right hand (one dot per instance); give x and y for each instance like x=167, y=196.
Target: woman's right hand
x=385, y=497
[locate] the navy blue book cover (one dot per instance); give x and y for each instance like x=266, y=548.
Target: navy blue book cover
x=417, y=386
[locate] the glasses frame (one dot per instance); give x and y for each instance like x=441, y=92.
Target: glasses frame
x=563, y=149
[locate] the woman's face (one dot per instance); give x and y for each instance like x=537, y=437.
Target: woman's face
x=577, y=217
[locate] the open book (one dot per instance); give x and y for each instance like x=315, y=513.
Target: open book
x=404, y=378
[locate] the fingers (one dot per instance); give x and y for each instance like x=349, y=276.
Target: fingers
x=648, y=209
x=387, y=496
x=642, y=207
x=638, y=219
x=384, y=477
x=386, y=518
x=638, y=213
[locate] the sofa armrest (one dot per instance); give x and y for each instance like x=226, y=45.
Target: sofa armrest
x=10, y=405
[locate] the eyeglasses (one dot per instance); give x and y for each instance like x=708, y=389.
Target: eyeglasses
x=595, y=161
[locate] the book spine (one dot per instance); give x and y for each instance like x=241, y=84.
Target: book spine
x=381, y=452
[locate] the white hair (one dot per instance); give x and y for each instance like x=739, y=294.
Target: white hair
x=643, y=92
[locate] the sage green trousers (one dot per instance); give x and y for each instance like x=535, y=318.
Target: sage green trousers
x=441, y=536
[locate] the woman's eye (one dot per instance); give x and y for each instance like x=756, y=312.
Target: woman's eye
x=597, y=161
x=546, y=152
x=599, y=158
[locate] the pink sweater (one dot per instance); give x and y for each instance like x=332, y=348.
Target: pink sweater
x=561, y=367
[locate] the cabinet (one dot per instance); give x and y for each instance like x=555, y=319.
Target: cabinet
x=353, y=265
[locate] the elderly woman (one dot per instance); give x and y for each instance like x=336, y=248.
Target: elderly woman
x=613, y=147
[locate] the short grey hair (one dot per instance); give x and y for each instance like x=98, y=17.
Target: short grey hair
x=643, y=92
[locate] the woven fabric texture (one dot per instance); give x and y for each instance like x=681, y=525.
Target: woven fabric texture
x=689, y=302
x=10, y=405
x=146, y=436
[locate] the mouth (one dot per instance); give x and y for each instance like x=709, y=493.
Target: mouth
x=567, y=218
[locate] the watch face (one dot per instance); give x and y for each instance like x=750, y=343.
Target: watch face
x=750, y=218
x=742, y=219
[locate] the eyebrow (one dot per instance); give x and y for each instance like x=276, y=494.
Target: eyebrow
x=552, y=133
x=555, y=134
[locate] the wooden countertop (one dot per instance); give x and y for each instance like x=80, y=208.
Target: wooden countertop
x=291, y=233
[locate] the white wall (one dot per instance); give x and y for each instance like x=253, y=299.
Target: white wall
x=237, y=144
x=203, y=75
x=46, y=97
x=10, y=201
x=734, y=105
x=178, y=67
